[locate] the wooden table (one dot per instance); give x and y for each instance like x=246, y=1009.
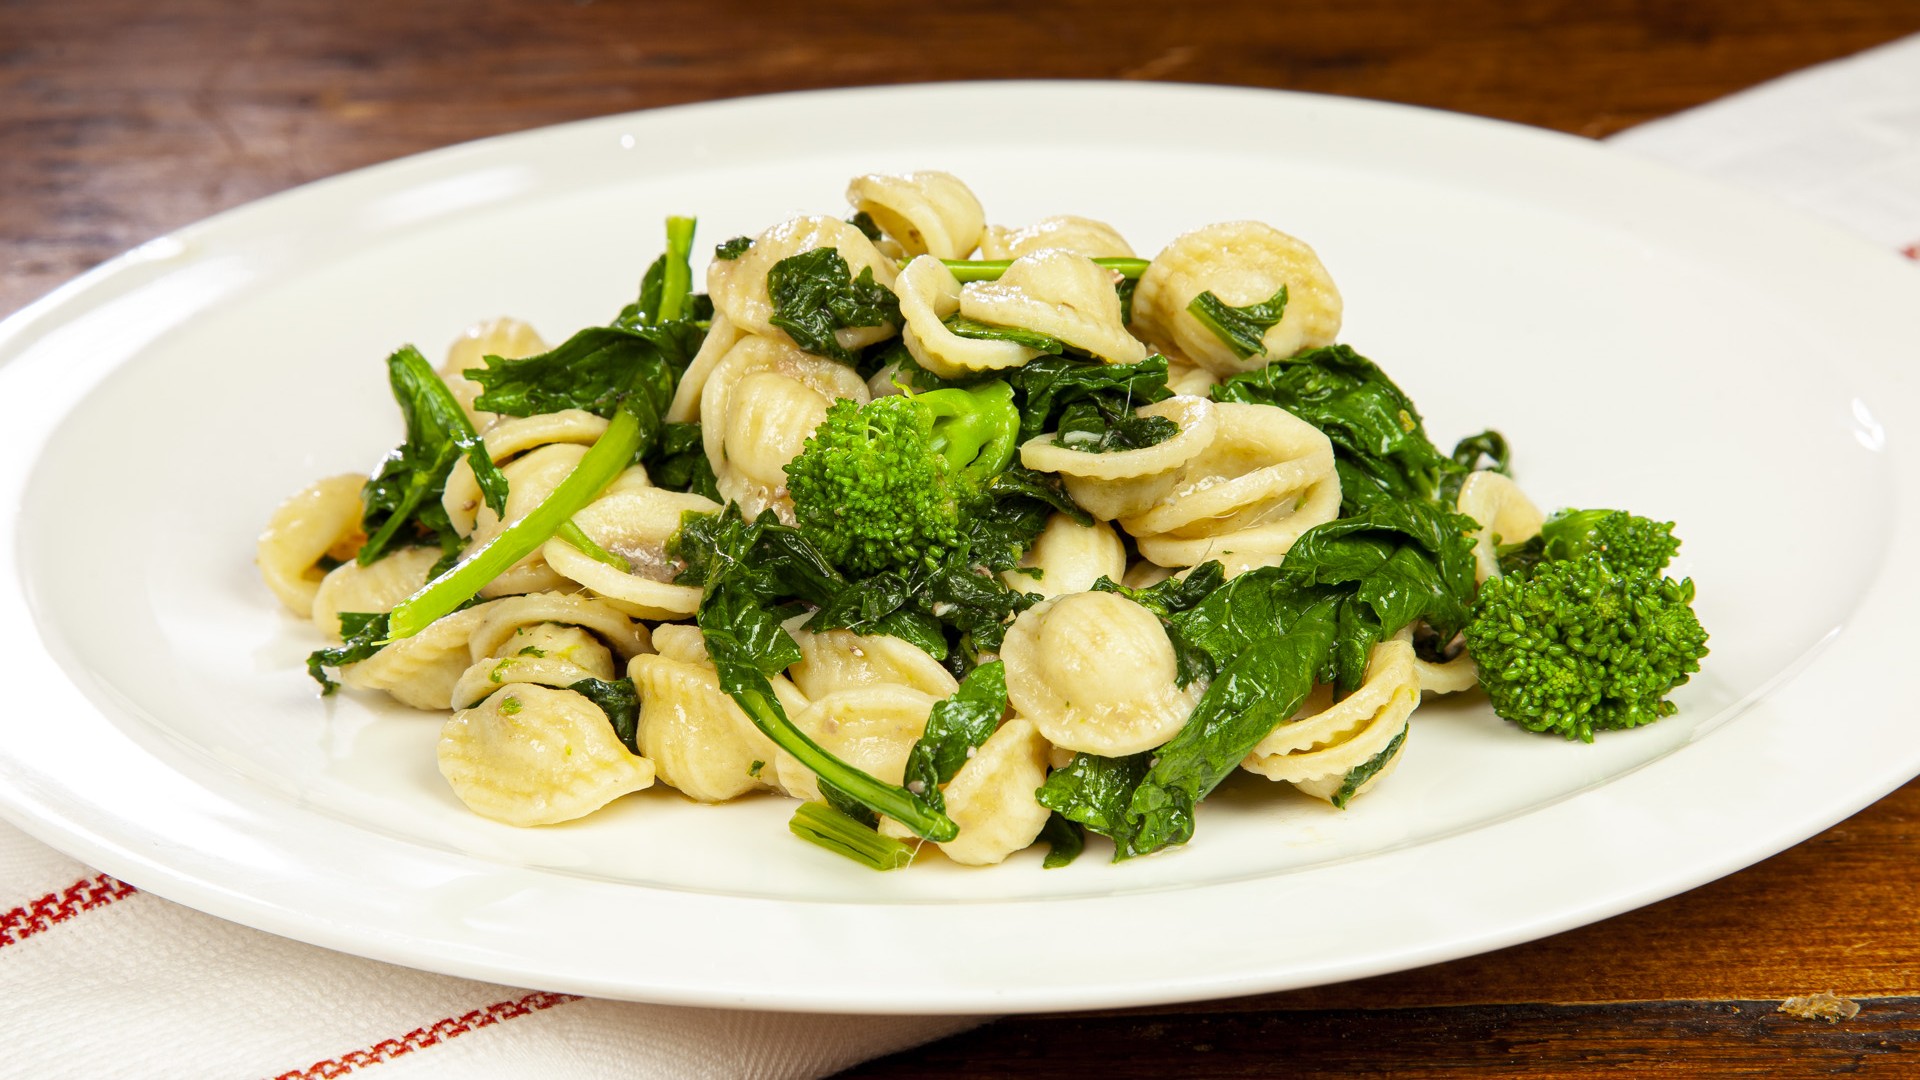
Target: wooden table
x=121, y=120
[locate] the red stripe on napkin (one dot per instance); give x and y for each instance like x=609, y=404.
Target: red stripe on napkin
x=421, y=1038
x=1911, y=251
x=57, y=907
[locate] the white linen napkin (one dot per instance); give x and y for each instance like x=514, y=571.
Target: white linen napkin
x=103, y=981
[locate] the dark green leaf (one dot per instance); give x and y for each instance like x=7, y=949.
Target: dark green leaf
x=1096, y=791
x=620, y=701
x=730, y=250
x=1065, y=841
x=1240, y=328
x=364, y=634
x=1049, y=384
x=1367, y=770
x=402, y=501
x=680, y=462
x=814, y=294
x=955, y=727
x=867, y=226
x=601, y=369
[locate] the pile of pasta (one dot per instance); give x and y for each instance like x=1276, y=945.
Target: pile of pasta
x=1086, y=671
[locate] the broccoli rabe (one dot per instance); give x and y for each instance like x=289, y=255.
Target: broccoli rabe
x=886, y=484
x=1580, y=632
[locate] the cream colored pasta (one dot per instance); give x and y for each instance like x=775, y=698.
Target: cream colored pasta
x=871, y=728
x=532, y=755
x=681, y=641
x=507, y=624
x=1095, y=672
x=509, y=439
x=700, y=742
x=1143, y=574
x=508, y=339
x=761, y=403
x=1260, y=465
x=722, y=335
x=929, y=294
x=1323, y=744
x=1241, y=263
x=422, y=670
x=322, y=521
x=545, y=655
x=1063, y=232
x=1449, y=677
x=531, y=479
x=1123, y=482
x=926, y=213
x=1070, y=557
x=1190, y=379
x=1240, y=550
x=1060, y=294
x=739, y=286
x=1505, y=516
x=992, y=799
x=375, y=587
x=635, y=525
x=835, y=660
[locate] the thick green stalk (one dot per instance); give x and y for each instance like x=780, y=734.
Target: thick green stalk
x=603, y=461
x=822, y=824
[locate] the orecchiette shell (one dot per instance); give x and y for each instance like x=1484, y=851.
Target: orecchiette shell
x=700, y=742
x=531, y=755
x=835, y=660
x=871, y=728
x=1259, y=464
x=721, y=336
x=376, y=587
x=761, y=403
x=1255, y=546
x=1094, y=671
x=926, y=213
x=551, y=662
x=1143, y=469
x=507, y=440
x=929, y=293
x=1065, y=232
x=321, y=521
x=992, y=799
x=509, y=339
x=1070, y=557
x=1242, y=263
x=1326, y=739
x=1060, y=294
x=1450, y=677
x=680, y=641
x=421, y=670
x=635, y=525
x=505, y=624
x=1505, y=516
x=1190, y=379
x=739, y=286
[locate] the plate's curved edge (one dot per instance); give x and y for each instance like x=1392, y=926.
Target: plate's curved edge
x=164, y=881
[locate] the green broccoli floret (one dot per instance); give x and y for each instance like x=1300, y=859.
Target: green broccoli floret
x=1583, y=634
x=1629, y=543
x=885, y=484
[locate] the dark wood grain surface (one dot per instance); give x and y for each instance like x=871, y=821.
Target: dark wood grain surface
x=120, y=121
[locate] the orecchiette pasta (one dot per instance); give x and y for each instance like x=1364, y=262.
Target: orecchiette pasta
x=1062, y=232
x=635, y=525
x=1060, y=294
x=699, y=741
x=531, y=478
x=421, y=670
x=1504, y=513
x=1241, y=263
x=532, y=755
x=835, y=660
x=1327, y=744
x=373, y=588
x=992, y=799
x=739, y=286
x=1068, y=558
x=545, y=655
x=929, y=293
x=1260, y=464
x=507, y=440
x=1120, y=483
x=322, y=521
x=871, y=728
x=926, y=213
x=506, y=625
x=762, y=401
x=1094, y=671
x=508, y=339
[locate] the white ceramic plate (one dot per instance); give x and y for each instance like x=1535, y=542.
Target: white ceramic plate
x=1645, y=339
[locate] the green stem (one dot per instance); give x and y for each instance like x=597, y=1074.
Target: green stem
x=990, y=269
x=822, y=824
x=584, y=544
x=603, y=461
x=676, y=283
x=751, y=691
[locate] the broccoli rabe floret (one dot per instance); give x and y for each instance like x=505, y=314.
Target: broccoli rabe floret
x=1629, y=543
x=1580, y=633
x=886, y=484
